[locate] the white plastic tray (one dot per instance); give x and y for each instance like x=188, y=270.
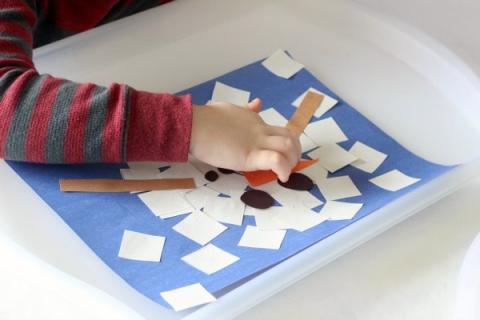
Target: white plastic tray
x=407, y=84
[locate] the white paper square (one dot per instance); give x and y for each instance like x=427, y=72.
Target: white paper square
x=226, y=93
x=249, y=211
x=327, y=102
x=230, y=184
x=337, y=210
x=254, y=237
x=226, y=210
x=184, y=170
x=393, y=180
x=272, y=117
x=187, y=297
x=264, y=218
x=332, y=157
x=141, y=246
x=210, y=259
x=166, y=203
x=308, y=221
x=199, y=227
x=297, y=218
x=315, y=172
x=325, y=131
x=280, y=64
x=338, y=188
x=369, y=159
x=290, y=198
x=198, y=197
x=306, y=143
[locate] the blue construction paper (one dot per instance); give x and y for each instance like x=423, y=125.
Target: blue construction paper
x=100, y=218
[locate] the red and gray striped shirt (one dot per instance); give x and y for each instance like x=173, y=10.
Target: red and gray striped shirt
x=47, y=119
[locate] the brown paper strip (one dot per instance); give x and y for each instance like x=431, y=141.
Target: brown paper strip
x=305, y=111
x=116, y=185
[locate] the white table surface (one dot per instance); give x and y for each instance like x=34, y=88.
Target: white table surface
x=393, y=276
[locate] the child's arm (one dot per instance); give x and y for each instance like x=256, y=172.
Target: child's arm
x=50, y=120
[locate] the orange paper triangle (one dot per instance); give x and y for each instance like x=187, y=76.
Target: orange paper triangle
x=257, y=178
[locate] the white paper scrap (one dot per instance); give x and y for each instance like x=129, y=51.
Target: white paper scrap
x=296, y=218
x=264, y=218
x=141, y=246
x=198, y=197
x=249, y=211
x=337, y=210
x=299, y=219
x=254, y=237
x=369, y=159
x=290, y=198
x=325, y=131
x=230, y=184
x=187, y=297
x=210, y=259
x=315, y=172
x=306, y=143
x=199, y=227
x=338, y=188
x=332, y=157
x=393, y=180
x=307, y=221
x=280, y=64
x=184, y=170
x=166, y=203
x=225, y=93
x=226, y=210
x=327, y=102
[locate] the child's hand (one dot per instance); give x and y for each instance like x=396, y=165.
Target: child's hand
x=227, y=136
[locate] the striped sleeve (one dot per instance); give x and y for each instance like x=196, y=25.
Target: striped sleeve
x=46, y=119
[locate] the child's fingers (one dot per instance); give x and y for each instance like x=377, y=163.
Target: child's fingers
x=285, y=145
x=277, y=131
x=284, y=132
x=255, y=105
x=270, y=160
